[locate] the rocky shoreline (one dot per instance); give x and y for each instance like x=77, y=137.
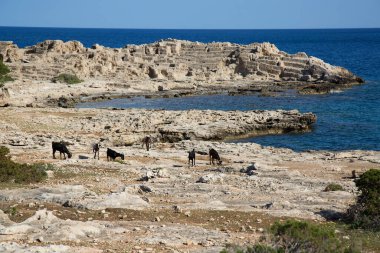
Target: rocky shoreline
x=128, y=127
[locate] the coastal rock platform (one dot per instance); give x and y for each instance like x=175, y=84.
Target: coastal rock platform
x=128, y=127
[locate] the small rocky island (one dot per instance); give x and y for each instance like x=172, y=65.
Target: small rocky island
x=154, y=201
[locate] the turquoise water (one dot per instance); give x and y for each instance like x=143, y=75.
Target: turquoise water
x=347, y=120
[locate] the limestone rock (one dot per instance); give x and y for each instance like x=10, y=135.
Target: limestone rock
x=174, y=60
x=210, y=178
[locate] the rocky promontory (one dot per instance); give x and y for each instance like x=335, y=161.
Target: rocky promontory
x=163, y=66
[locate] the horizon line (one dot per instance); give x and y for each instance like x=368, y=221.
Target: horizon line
x=119, y=28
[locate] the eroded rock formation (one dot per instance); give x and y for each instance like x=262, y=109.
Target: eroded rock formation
x=175, y=60
x=125, y=127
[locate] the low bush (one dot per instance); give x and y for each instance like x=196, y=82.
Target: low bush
x=4, y=79
x=366, y=212
x=12, y=211
x=259, y=248
x=333, y=187
x=13, y=172
x=4, y=71
x=4, y=151
x=66, y=78
x=299, y=236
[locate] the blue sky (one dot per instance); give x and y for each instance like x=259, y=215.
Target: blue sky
x=204, y=14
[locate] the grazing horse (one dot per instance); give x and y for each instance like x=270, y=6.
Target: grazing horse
x=61, y=147
x=95, y=149
x=112, y=154
x=213, y=154
x=147, y=141
x=192, y=157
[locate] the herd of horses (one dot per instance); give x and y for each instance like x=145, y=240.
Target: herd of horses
x=112, y=154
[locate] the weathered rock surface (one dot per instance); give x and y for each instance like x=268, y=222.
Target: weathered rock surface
x=125, y=127
x=165, y=65
x=98, y=205
x=45, y=227
x=39, y=225
x=19, y=248
x=287, y=184
x=169, y=60
x=77, y=196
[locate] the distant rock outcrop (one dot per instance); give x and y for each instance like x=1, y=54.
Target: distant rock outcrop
x=173, y=60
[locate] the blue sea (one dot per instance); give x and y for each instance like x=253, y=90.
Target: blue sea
x=346, y=121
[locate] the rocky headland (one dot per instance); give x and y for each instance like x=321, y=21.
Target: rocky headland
x=165, y=68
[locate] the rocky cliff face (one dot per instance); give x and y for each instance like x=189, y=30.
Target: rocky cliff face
x=173, y=60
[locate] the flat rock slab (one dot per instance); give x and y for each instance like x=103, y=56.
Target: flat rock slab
x=76, y=196
x=20, y=248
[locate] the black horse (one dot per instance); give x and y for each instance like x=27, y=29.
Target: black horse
x=213, y=154
x=192, y=157
x=112, y=154
x=61, y=147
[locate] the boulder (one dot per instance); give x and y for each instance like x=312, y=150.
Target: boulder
x=210, y=178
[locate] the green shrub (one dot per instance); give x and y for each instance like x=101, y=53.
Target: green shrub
x=366, y=212
x=13, y=172
x=12, y=211
x=258, y=248
x=4, y=70
x=299, y=236
x=4, y=151
x=333, y=187
x=66, y=78
x=4, y=79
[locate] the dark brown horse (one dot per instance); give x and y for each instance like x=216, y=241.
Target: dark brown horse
x=213, y=154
